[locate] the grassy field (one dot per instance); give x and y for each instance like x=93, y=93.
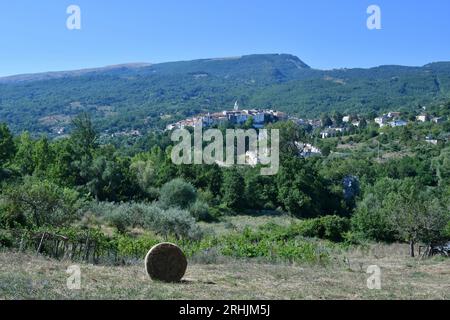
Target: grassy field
x=28, y=276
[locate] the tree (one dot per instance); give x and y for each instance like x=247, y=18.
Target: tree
x=42, y=155
x=260, y=191
x=294, y=184
x=7, y=146
x=102, y=178
x=303, y=192
x=24, y=157
x=337, y=118
x=290, y=135
x=177, y=194
x=441, y=165
x=326, y=120
x=363, y=123
x=371, y=219
x=416, y=216
x=326, y=150
x=206, y=178
x=84, y=135
x=233, y=190
x=63, y=170
x=42, y=202
x=400, y=210
x=146, y=175
x=249, y=123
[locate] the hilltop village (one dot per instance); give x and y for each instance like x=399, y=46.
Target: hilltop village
x=258, y=118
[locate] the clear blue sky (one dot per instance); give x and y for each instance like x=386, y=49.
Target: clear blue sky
x=324, y=33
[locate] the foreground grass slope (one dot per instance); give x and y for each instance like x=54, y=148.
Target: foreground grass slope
x=27, y=276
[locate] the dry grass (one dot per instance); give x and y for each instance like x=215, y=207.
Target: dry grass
x=24, y=276
x=239, y=223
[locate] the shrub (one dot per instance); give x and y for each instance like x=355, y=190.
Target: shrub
x=264, y=244
x=200, y=211
x=371, y=219
x=447, y=231
x=118, y=220
x=311, y=228
x=114, y=215
x=330, y=228
x=6, y=239
x=9, y=216
x=177, y=193
x=173, y=221
x=335, y=227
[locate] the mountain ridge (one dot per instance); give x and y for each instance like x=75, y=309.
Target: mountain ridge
x=48, y=75
x=27, y=77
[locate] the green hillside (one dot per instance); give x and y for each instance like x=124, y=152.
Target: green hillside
x=144, y=96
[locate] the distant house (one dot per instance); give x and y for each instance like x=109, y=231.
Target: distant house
x=281, y=116
x=431, y=140
x=356, y=123
x=331, y=132
x=132, y=133
x=307, y=150
x=208, y=120
x=346, y=119
x=237, y=117
x=171, y=127
x=300, y=122
x=382, y=121
x=58, y=130
x=325, y=134
x=423, y=118
x=394, y=115
x=315, y=123
x=259, y=117
x=438, y=120
x=253, y=158
x=398, y=123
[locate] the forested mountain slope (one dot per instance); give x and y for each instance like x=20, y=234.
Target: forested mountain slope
x=143, y=95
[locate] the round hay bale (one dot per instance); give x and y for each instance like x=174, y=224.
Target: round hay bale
x=166, y=262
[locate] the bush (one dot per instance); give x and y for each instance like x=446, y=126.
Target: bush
x=335, y=227
x=371, y=219
x=9, y=216
x=6, y=239
x=177, y=194
x=114, y=215
x=119, y=220
x=447, y=231
x=200, y=211
x=172, y=221
x=331, y=228
x=264, y=244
